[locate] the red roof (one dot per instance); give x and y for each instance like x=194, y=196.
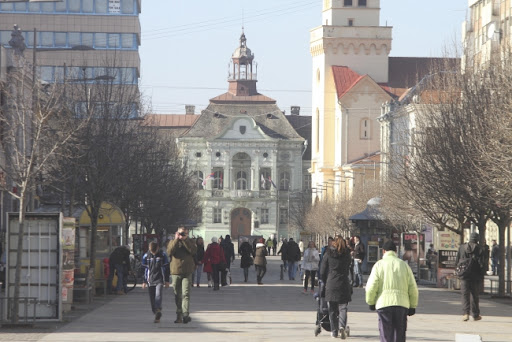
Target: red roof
x=171, y=120
x=344, y=79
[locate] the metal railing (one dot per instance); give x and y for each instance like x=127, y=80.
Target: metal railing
x=25, y=302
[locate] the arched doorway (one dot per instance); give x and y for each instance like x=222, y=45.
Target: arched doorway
x=240, y=222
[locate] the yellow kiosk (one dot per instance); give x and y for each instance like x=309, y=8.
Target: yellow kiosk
x=109, y=235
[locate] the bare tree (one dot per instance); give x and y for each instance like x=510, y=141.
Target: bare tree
x=36, y=126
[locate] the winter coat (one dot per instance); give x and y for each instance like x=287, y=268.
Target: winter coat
x=156, y=268
x=198, y=259
x=391, y=283
x=311, y=259
x=245, y=250
x=182, y=256
x=283, y=251
x=468, y=250
x=214, y=254
x=359, y=251
x=292, y=251
x=260, y=255
x=228, y=248
x=335, y=271
x=120, y=256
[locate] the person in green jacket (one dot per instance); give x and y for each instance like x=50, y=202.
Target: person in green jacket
x=392, y=291
x=181, y=250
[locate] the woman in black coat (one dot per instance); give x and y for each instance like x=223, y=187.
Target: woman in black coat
x=246, y=252
x=335, y=271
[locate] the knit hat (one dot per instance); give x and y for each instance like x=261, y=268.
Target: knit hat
x=214, y=239
x=474, y=237
x=389, y=246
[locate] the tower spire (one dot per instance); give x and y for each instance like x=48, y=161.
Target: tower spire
x=242, y=77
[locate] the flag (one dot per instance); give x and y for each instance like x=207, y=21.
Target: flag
x=262, y=182
x=211, y=175
x=272, y=182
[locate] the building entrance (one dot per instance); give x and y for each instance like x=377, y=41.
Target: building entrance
x=240, y=222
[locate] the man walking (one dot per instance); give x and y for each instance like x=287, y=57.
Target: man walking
x=181, y=250
x=293, y=256
x=359, y=254
x=391, y=290
x=470, y=284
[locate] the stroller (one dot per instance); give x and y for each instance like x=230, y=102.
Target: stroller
x=322, y=314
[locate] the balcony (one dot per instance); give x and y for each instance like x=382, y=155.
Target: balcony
x=241, y=194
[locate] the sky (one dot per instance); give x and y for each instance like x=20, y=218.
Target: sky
x=186, y=46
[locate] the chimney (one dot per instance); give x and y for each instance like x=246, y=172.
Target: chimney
x=295, y=110
x=190, y=109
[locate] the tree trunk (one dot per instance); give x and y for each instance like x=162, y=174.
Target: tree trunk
x=501, y=267
x=19, y=256
x=92, y=247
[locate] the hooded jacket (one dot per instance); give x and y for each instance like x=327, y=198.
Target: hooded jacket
x=391, y=283
x=156, y=268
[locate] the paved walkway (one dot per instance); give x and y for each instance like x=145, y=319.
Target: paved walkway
x=276, y=311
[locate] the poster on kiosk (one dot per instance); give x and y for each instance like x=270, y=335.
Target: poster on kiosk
x=448, y=247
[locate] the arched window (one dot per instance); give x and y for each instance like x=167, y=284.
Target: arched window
x=284, y=180
x=218, y=179
x=241, y=180
x=365, y=129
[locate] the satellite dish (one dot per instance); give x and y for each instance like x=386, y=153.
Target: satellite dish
x=491, y=30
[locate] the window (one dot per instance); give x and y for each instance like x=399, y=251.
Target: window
x=74, y=39
x=284, y=180
x=128, y=6
x=307, y=182
x=264, y=216
x=365, y=129
x=60, y=39
x=198, y=177
x=46, y=39
x=101, y=6
x=283, y=215
x=59, y=7
x=217, y=215
x=127, y=40
x=347, y=3
x=87, y=6
x=34, y=7
x=218, y=179
x=199, y=216
x=74, y=6
x=351, y=22
x=265, y=183
x=241, y=180
x=114, y=40
x=100, y=40
x=362, y=3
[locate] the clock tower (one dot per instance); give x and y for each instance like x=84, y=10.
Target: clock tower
x=350, y=37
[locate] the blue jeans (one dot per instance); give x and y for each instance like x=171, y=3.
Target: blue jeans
x=292, y=269
x=196, y=276
x=155, y=297
x=358, y=274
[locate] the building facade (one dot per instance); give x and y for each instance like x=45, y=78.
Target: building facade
x=486, y=32
x=246, y=156
x=78, y=40
x=350, y=71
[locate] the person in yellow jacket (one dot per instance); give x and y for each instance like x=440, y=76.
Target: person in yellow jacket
x=392, y=291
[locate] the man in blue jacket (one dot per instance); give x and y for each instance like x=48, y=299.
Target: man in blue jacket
x=391, y=290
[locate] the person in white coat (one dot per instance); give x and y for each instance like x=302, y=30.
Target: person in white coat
x=310, y=265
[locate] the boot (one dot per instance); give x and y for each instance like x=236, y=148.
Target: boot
x=179, y=318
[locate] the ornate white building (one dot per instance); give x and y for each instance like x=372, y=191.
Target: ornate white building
x=247, y=157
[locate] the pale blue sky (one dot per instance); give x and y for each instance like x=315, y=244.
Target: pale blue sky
x=187, y=45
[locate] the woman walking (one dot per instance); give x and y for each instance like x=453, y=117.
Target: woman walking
x=245, y=251
x=310, y=265
x=199, y=261
x=335, y=271
x=260, y=260
x=215, y=256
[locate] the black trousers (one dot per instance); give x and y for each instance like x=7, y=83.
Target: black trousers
x=392, y=323
x=470, y=290
x=260, y=272
x=215, y=276
x=309, y=274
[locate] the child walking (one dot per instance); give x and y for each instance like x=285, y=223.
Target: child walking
x=156, y=275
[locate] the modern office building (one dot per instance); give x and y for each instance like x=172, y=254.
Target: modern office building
x=85, y=40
